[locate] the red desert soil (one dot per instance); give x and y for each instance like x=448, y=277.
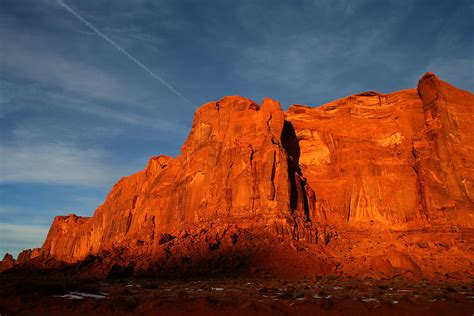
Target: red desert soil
x=330, y=295
x=376, y=190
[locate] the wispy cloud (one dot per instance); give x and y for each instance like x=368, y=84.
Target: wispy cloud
x=15, y=238
x=21, y=215
x=121, y=115
x=54, y=163
x=45, y=151
x=38, y=153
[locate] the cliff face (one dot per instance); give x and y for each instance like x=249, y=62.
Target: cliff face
x=444, y=151
x=401, y=159
x=356, y=153
x=372, y=162
x=233, y=169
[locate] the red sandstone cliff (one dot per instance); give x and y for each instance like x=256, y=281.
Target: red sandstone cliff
x=233, y=169
x=403, y=159
x=363, y=167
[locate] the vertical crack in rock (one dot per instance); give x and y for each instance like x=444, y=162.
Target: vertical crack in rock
x=419, y=185
x=251, y=157
x=129, y=222
x=134, y=202
x=228, y=190
x=272, y=178
x=290, y=144
x=252, y=178
x=305, y=187
x=269, y=121
x=349, y=209
x=129, y=218
x=299, y=202
x=152, y=234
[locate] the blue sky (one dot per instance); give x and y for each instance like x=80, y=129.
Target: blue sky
x=76, y=114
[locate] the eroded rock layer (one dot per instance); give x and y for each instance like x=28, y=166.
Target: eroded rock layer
x=359, y=186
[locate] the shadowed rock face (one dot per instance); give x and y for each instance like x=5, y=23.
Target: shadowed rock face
x=372, y=162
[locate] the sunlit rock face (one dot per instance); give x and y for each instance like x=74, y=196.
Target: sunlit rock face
x=364, y=185
x=444, y=151
x=233, y=170
x=397, y=159
x=356, y=153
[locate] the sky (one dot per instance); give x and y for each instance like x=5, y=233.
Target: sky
x=77, y=113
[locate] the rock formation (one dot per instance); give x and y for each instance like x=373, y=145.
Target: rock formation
x=233, y=169
x=361, y=185
x=399, y=159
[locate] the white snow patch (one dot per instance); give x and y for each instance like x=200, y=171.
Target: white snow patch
x=217, y=289
x=73, y=295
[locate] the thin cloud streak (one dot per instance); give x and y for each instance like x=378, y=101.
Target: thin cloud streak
x=18, y=237
x=128, y=117
x=55, y=164
x=123, y=51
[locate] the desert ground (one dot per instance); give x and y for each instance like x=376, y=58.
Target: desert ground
x=219, y=295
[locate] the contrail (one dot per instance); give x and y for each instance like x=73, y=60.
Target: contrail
x=123, y=51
